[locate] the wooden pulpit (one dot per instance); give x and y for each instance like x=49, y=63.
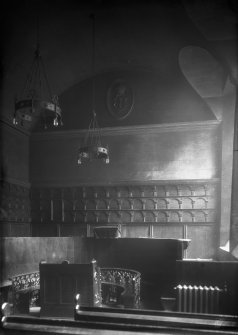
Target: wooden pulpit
x=154, y=258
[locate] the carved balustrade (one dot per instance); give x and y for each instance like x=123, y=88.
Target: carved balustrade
x=128, y=279
x=25, y=291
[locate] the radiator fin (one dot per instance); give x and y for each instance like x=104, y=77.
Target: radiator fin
x=198, y=299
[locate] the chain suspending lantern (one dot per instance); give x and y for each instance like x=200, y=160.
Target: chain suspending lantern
x=92, y=148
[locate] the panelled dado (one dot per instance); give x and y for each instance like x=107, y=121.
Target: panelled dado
x=15, y=208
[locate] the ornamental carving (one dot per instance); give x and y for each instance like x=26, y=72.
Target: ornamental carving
x=120, y=99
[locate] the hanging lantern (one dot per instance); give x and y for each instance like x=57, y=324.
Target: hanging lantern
x=36, y=100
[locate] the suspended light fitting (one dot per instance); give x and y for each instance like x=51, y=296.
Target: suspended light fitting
x=92, y=148
x=36, y=100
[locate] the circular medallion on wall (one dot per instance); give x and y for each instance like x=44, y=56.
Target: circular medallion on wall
x=120, y=99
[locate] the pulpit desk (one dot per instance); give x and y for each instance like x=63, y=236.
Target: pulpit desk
x=154, y=258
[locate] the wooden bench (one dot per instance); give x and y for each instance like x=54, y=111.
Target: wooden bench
x=93, y=320
x=60, y=283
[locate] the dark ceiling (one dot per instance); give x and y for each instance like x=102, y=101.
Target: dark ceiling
x=138, y=38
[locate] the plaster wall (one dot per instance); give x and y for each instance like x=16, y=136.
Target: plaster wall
x=168, y=152
x=23, y=254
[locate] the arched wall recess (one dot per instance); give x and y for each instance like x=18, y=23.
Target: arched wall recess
x=203, y=71
x=215, y=19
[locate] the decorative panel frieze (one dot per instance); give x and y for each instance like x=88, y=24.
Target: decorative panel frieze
x=163, y=203
x=183, y=209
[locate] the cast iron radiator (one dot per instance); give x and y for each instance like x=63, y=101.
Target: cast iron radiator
x=198, y=299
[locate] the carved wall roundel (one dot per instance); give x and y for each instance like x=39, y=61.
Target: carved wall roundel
x=120, y=99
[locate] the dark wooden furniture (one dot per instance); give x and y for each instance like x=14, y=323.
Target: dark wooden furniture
x=155, y=259
x=107, y=232
x=60, y=283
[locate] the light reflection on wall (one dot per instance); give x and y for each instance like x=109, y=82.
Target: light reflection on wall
x=195, y=160
x=181, y=170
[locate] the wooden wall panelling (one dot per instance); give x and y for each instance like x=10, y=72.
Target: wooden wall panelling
x=56, y=203
x=185, y=209
x=35, y=205
x=74, y=229
x=203, y=240
x=5, y=229
x=15, y=212
x=68, y=205
x=46, y=205
x=20, y=229
x=165, y=231
x=15, y=202
x=45, y=229
x=136, y=230
x=11, y=229
x=23, y=254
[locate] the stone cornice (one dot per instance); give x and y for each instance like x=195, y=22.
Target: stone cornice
x=130, y=130
x=16, y=130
